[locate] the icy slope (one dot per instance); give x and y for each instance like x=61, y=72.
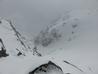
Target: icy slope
x=12, y=39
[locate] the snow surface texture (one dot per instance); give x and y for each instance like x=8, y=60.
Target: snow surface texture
x=76, y=52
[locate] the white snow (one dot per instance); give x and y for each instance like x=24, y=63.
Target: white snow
x=79, y=48
x=9, y=38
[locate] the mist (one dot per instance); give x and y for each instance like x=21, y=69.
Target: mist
x=30, y=16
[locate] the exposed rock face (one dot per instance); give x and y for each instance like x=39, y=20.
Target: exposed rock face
x=49, y=68
x=2, y=50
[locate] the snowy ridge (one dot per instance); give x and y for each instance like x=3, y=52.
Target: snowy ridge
x=12, y=39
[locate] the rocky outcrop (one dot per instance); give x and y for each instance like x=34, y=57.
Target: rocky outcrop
x=48, y=68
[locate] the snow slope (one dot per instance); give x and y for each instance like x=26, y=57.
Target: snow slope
x=75, y=53
x=12, y=39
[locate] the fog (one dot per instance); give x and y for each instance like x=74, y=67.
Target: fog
x=30, y=16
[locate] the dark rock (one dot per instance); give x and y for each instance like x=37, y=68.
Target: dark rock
x=45, y=68
x=3, y=53
x=0, y=22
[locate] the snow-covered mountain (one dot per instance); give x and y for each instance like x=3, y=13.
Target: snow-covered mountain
x=73, y=25
x=75, y=52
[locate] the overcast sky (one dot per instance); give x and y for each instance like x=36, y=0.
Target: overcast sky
x=30, y=16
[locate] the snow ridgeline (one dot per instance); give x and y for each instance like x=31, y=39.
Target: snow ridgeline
x=11, y=41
